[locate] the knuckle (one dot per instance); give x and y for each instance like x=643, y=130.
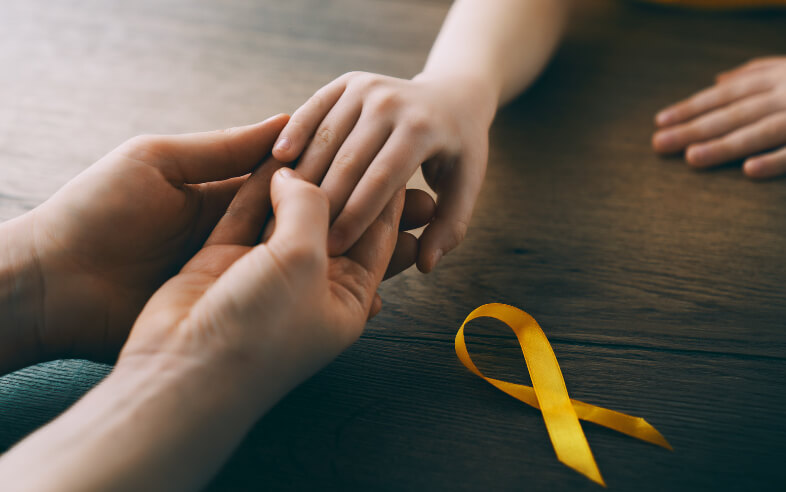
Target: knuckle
x=384, y=100
x=325, y=135
x=354, y=75
x=778, y=128
x=304, y=257
x=314, y=194
x=318, y=101
x=459, y=231
x=379, y=180
x=144, y=147
x=344, y=160
x=726, y=144
x=418, y=122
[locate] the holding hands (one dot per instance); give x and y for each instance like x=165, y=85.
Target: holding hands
x=364, y=135
x=224, y=337
x=76, y=271
x=743, y=116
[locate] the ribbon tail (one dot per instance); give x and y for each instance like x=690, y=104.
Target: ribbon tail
x=629, y=425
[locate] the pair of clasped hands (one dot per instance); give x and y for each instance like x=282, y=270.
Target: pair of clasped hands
x=167, y=234
x=173, y=223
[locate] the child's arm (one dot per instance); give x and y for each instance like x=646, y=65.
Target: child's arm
x=364, y=135
x=743, y=116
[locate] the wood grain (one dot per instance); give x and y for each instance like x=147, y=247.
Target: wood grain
x=663, y=290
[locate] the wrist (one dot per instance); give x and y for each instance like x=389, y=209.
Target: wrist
x=480, y=92
x=157, y=422
x=21, y=297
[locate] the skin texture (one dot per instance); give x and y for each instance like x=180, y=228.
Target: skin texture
x=249, y=321
x=76, y=271
x=741, y=117
x=363, y=135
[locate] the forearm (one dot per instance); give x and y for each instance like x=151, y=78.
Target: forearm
x=504, y=44
x=154, y=424
x=20, y=298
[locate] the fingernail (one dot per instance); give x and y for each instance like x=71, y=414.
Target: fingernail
x=282, y=144
x=335, y=240
x=435, y=258
x=287, y=173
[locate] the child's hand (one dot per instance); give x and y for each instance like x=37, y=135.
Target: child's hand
x=743, y=116
x=364, y=135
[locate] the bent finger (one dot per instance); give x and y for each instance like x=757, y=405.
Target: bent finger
x=404, y=255
x=455, y=203
x=419, y=209
x=339, y=123
x=374, y=250
x=209, y=156
x=387, y=173
x=246, y=215
x=301, y=212
x=352, y=161
x=304, y=121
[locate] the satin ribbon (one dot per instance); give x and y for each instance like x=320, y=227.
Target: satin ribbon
x=549, y=394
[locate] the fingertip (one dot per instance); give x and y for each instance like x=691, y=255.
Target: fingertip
x=376, y=306
x=286, y=174
x=428, y=260
x=755, y=168
x=336, y=240
x=405, y=254
x=664, y=117
x=695, y=156
x=657, y=142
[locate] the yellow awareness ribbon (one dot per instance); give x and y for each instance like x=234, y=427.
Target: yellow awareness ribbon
x=549, y=394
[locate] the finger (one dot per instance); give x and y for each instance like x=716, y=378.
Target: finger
x=419, y=209
x=301, y=211
x=716, y=123
x=352, y=160
x=216, y=197
x=767, y=165
x=301, y=126
x=208, y=156
x=374, y=249
x=753, y=65
x=245, y=217
x=332, y=132
x=455, y=202
x=711, y=98
x=404, y=254
x=376, y=306
x=767, y=133
x=387, y=173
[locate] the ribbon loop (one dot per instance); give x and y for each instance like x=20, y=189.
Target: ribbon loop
x=548, y=393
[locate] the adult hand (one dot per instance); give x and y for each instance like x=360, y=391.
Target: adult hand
x=743, y=116
x=214, y=348
x=283, y=307
x=363, y=136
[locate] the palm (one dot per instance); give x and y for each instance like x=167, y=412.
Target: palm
x=280, y=303
x=127, y=224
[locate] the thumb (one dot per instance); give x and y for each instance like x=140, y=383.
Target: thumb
x=301, y=211
x=455, y=202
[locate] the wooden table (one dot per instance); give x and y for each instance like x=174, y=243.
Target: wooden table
x=663, y=290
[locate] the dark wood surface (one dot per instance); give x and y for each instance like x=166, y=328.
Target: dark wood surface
x=662, y=290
